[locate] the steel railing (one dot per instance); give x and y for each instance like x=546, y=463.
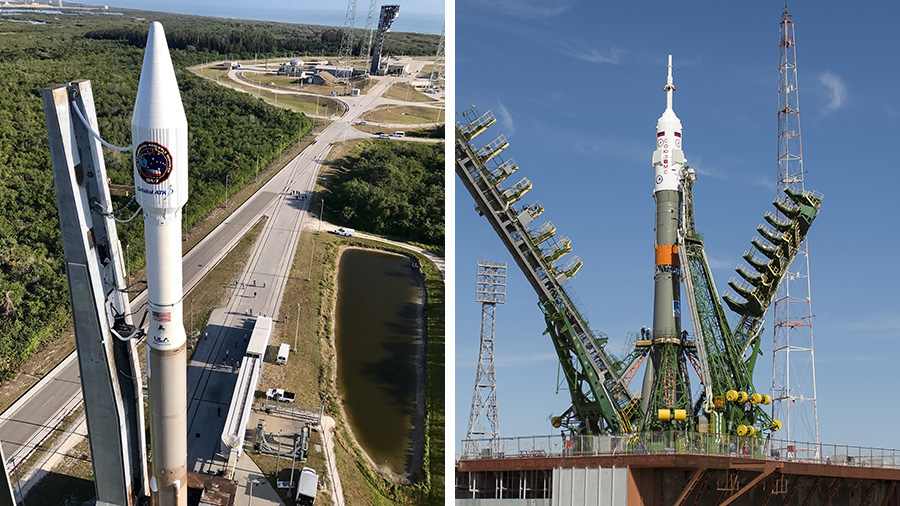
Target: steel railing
x=671, y=442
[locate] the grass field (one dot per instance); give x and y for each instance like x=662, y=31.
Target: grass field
x=405, y=115
x=321, y=106
x=406, y=93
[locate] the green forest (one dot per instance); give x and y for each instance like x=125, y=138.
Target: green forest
x=228, y=130
x=392, y=188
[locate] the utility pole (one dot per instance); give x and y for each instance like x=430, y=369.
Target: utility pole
x=321, y=210
x=297, y=331
x=226, y=191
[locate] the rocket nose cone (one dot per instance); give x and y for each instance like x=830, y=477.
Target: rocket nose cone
x=157, y=96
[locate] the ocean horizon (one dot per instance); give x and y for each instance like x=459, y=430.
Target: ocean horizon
x=406, y=22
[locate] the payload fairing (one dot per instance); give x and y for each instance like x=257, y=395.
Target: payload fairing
x=159, y=139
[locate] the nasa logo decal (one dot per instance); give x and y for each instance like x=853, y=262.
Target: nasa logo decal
x=153, y=161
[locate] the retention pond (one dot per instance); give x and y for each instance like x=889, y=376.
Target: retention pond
x=379, y=339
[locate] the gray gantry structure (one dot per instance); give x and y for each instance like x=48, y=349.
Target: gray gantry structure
x=388, y=14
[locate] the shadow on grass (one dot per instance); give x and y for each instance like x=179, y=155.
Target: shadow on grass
x=60, y=490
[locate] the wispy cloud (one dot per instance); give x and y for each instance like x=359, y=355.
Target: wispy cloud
x=718, y=263
x=582, y=51
x=616, y=55
x=724, y=171
x=506, y=120
x=837, y=91
x=529, y=9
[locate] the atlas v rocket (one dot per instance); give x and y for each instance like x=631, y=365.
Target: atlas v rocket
x=668, y=161
x=160, y=141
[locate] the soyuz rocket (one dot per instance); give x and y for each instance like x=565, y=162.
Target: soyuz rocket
x=668, y=161
x=159, y=139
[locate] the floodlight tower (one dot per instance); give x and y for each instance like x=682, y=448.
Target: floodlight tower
x=794, y=368
x=347, y=39
x=484, y=419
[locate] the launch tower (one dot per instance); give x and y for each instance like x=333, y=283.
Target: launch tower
x=388, y=14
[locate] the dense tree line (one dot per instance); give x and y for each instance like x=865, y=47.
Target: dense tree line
x=227, y=130
x=392, y=188
x=245, y=39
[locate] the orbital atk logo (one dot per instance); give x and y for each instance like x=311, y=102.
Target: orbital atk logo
x=153, y=161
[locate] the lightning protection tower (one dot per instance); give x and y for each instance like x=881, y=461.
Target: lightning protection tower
x=484, y=420
x=370, y=26
x=347, y=39
x=437, y=71
x=794, y=368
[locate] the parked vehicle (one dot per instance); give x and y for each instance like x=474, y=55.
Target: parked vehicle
x=280, y=395
x=345, y=232
x=283, y=352
x=307, y=487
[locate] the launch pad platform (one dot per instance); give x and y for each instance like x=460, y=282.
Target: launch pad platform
x=655, y=470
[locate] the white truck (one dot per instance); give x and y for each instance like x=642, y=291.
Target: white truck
x=283, y=352
x=307, y=487
x=346, y=232
x=280, y=395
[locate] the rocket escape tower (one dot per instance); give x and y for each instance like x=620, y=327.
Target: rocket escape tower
x=484, y=418
x=794, y=369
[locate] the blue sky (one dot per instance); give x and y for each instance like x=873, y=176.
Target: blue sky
x=577, y=88
x=423, y=16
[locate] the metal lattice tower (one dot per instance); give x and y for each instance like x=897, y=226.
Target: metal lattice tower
x=793, y=369
x=437, y=70
x=347, y=39
x=370, y=26
x=484, y=419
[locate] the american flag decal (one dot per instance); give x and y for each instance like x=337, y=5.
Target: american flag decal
x=164, y=317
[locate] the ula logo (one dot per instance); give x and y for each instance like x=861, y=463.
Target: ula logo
x=153, y=162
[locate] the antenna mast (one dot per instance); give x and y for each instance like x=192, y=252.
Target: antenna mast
x=793, y=370
x=484, y=419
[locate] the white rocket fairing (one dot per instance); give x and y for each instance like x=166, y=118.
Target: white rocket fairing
x=668, y=159
x=159, y=139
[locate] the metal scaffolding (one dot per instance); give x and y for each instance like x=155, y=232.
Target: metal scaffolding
x=484, y=418
x=793, y=370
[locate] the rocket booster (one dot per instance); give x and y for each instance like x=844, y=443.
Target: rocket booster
x=159, y=140
x=668, y=161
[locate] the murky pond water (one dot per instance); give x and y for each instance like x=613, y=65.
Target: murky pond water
x=378, y=336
